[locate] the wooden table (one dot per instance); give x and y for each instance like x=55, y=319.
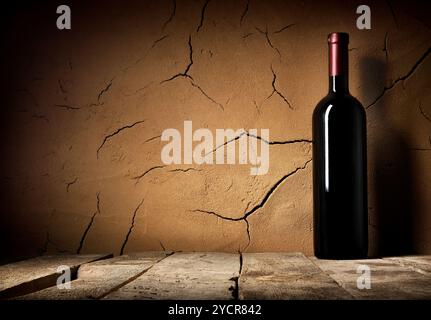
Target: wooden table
x=215, y=275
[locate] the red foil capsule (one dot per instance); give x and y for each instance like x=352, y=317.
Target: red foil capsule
x=338, y=48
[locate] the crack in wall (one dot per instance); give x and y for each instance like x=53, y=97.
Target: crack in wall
x=248, y=234
x=185, y=74
x=68, y=184
x=402, y=78
x=132, y=225
x=61, y=86
x=284, y=28
x=109, y=136
x=385, y=47
x=247, y=206
x=275, y=90
x=423, y=113
x=245, y=132
x=274, y=142
x=48, y=240
x=268, y=40
x=172, y=15
x=40, y=117
x=392, y=11
x=227, y=142
x=420, y=149
x=261, y=203
x=139, y=60
x=184, y=170
x=66, y=106
x=87, y=229
x=152, y=138
x=94, y=104
x=244, y=13
x=257, y=107
x=264, y=199
x=162, y=246
x=230, y=186
x=204, y=8
x=125, y=94
x=206, y=95
x=46, y=243
x=104, y=90
x=140, y=176
x=159, y=40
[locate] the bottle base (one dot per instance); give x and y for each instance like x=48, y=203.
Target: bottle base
x=326, y=256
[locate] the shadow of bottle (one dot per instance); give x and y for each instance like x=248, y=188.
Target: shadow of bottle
x=389, y=170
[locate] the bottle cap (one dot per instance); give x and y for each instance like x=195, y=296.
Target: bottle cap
x=338, y=37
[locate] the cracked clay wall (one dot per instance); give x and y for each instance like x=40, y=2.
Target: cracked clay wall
x=83, y=111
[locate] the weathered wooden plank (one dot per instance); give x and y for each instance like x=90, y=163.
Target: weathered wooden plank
x=388, y=280
x=31, y=275
x=97, y=279
x=185, y=276
x=285, y=276
x=421, y=264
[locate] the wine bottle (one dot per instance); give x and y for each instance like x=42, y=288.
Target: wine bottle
x=339, y=164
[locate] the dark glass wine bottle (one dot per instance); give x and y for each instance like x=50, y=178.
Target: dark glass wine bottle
x=339, y=164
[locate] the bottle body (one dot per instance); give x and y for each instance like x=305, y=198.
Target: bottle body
x=340, y=169
x=340, y=179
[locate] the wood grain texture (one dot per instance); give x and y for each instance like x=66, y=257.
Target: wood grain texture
x=421, y=264
x=389, y=280
x=285, y=276
x=216, y=276
x=97, y=279
x=35, y=274
x=186, y=276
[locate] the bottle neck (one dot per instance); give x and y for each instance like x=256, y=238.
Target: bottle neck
x=339, y=84
x=338, y=67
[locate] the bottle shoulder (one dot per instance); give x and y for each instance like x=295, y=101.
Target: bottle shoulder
x=340, y=102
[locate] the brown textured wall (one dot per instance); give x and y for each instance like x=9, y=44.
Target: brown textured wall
x=84, y=109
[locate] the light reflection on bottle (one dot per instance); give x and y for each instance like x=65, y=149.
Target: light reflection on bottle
x=326, y=124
